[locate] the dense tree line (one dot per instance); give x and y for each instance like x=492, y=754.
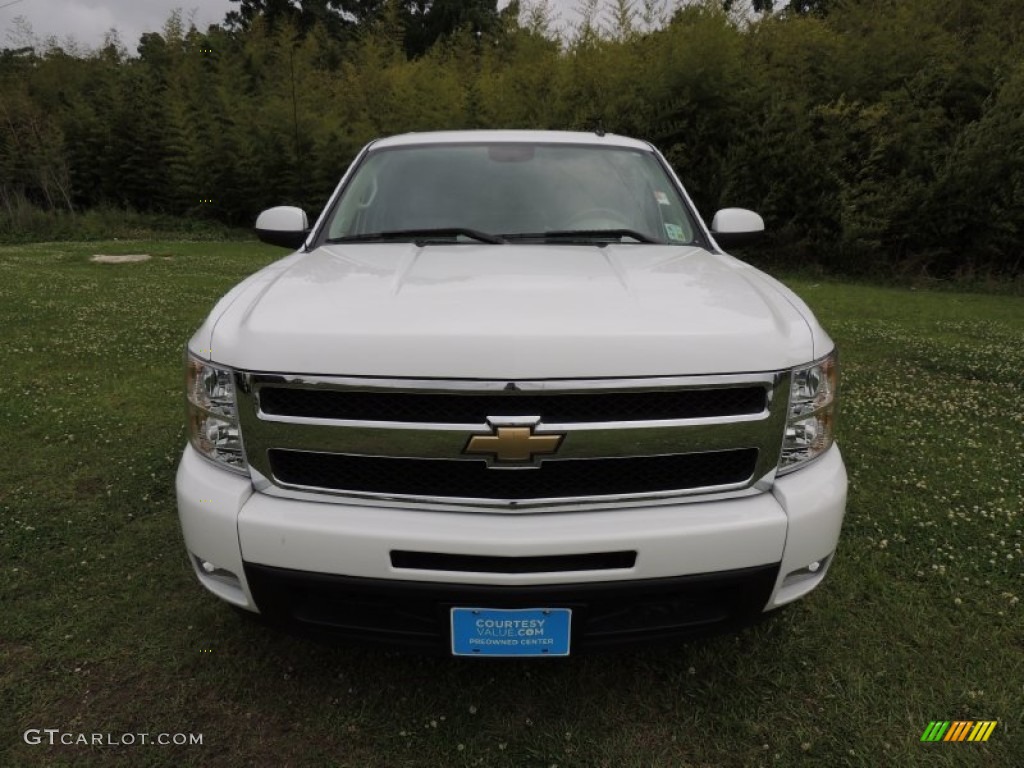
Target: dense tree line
x=871, y=134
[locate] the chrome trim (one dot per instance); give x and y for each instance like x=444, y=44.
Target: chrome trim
x=763, y=430
x=447, y=441
x=515, y=506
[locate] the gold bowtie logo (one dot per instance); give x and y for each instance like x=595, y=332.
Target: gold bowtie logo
x=514, y=444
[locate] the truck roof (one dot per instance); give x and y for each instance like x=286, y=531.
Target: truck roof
x=510, y=137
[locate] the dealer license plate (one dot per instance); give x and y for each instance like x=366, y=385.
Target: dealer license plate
x=511, y=632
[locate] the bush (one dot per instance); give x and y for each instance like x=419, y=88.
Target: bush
x=23, y=222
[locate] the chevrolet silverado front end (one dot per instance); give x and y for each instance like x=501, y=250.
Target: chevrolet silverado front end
x=510, y=397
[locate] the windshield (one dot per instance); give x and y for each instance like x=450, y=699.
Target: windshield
x=513, y=192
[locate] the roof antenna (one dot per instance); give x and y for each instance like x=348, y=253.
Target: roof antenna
x=599, y=127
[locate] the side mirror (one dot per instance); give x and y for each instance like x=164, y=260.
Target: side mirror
x=284, y=225
x=736, y=226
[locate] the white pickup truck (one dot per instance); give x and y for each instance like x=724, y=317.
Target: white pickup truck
x=510, y=397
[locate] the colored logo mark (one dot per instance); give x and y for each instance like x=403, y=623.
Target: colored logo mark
x=959, y=730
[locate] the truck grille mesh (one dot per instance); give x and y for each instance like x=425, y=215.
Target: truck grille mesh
x=439, y=478
x=561, y=408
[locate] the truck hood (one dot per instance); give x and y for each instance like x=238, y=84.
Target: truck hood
x=510, y=312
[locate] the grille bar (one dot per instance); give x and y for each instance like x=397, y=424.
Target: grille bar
x=464, y=408
x=439, y=478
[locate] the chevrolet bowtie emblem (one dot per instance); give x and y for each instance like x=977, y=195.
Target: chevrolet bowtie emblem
x=513, y=445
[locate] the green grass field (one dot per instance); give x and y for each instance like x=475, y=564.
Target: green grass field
x=104, y=629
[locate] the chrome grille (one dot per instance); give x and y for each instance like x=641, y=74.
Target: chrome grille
x=403, y=442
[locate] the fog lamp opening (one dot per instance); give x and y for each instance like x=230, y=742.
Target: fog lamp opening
x=813, y=570
x=213, y=571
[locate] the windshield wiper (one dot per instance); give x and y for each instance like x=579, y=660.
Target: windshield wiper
x=583, y=235
x=421, y=236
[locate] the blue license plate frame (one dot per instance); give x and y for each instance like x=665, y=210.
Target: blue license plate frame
x=511, y=632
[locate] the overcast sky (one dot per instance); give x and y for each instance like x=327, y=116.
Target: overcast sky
x=87, y=21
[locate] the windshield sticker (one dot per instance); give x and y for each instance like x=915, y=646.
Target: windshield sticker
x=662, y=198
x=674, y=232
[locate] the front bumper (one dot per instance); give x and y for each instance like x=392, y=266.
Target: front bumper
x=332, y=564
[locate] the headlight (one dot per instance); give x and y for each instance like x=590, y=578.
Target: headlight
x=213, y=414
x=810, y=427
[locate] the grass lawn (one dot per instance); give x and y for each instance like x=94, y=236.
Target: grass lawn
x=105, y=630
